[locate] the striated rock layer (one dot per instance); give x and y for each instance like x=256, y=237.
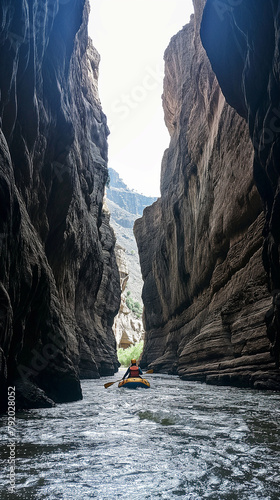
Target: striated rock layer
x=205, y=288
x=59, y=288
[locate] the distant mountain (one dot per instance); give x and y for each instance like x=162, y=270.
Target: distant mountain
x=125, y=206
x=127, y=199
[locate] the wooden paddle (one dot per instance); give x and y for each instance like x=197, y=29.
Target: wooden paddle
x=111, y=383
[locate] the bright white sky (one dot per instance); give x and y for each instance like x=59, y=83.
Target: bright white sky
x=131, y=37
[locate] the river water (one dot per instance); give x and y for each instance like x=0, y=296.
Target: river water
x=175, y=440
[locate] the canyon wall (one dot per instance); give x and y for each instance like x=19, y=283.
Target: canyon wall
x=242, y=42
x=59, y=289
x=206, y=291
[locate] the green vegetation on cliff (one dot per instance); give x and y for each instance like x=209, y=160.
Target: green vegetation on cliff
x=134, y=306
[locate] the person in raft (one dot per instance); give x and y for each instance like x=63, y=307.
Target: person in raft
x=133, y=370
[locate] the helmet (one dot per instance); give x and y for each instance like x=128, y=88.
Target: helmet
x=133, y=361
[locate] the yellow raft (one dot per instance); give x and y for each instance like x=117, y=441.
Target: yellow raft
x=133, y=383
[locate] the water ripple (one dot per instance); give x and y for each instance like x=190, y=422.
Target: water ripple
x=177, y=440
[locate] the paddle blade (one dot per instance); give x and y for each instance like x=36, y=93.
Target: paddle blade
x=149, y=371
x=109, y=384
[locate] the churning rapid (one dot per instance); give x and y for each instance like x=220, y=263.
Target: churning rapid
x=177, y=439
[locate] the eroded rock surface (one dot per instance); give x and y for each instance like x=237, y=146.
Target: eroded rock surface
x=59, y=288
x=200, y=245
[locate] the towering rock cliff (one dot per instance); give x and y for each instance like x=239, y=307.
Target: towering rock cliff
x=59, y=288
x=242, y=41
x=205, y=288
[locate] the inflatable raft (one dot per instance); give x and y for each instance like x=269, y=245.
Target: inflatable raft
x=133, y=383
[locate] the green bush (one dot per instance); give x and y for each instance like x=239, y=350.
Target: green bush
x=126, y=355
x=134, y=306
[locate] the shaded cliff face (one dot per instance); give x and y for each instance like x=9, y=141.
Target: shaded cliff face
x=242, y=42
x=59, y=288
x=200, y=245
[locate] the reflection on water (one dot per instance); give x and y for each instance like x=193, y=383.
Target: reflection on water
x=175, y=440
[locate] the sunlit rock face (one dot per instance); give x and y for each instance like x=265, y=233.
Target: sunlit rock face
x=205, y=288
x=59, y=288
x=242, y=42
x=125, y=206
x=127, y=328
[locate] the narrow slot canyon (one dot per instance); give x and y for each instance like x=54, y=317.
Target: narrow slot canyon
x=102, y=256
